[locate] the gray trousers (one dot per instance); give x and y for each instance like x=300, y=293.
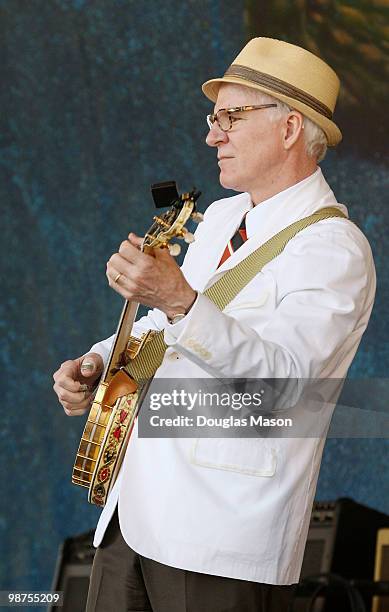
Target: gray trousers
x=123, y=581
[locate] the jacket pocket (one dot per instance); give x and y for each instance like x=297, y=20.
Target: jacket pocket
x=252, y=457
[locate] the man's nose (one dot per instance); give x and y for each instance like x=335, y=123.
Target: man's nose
x=215, y=136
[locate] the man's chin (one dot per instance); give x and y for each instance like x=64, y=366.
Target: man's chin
x=228, y=183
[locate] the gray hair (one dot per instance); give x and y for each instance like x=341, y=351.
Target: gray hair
x=314, y=137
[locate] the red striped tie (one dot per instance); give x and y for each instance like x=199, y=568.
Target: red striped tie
x=236, y=241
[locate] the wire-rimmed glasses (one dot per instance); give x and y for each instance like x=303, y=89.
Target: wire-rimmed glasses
x=224, y=116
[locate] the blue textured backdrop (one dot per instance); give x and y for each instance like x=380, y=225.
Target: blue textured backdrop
x=100, y=99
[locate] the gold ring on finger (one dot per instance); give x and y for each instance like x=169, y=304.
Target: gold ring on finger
x=116, y=279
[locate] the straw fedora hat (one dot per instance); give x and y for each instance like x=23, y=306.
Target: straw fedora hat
x=290, y=73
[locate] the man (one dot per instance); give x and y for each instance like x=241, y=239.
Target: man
x=221, y=525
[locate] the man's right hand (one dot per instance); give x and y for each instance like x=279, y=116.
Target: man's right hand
x=72, y=377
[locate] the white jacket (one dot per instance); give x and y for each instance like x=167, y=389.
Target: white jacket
x=241, y=507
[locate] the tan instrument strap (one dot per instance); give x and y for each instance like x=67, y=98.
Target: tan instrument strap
x=224, y=290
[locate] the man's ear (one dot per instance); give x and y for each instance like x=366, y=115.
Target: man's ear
x=294, y=125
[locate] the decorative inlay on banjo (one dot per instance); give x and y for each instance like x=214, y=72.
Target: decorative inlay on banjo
x=118, y=396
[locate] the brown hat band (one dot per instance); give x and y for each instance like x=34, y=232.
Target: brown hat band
x=279, y=86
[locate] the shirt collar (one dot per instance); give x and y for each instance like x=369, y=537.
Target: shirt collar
x=289, y=205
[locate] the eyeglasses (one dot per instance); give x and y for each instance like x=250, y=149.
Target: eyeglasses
x=224, y=116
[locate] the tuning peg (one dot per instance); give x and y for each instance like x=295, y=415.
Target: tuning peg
x=197, y=217
x=189, y=238
x=174, y=249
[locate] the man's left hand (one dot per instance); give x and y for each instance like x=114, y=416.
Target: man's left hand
x=153, y=280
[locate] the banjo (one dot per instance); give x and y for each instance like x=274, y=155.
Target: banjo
x=118, y=396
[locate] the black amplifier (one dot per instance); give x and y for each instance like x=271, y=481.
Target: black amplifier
x=341, y=540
